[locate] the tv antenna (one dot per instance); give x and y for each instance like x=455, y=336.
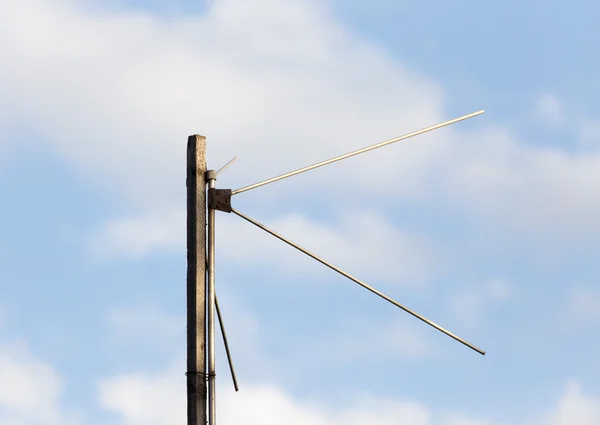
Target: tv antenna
x=203, y=200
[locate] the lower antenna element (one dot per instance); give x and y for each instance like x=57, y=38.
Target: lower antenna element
x=361, y=283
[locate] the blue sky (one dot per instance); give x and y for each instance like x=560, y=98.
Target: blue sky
x=488, y=227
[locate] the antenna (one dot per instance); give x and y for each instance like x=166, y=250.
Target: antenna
x=203, y=200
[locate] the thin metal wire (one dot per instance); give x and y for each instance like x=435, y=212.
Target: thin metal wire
x=222, y=326
x=356, y=152
x=227, y=165
x=361, y=283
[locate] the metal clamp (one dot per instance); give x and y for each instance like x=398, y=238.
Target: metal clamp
x=219, y=199
x=191, y=372
x=203, y=374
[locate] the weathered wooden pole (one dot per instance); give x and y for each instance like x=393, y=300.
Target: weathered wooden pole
x=196, y=280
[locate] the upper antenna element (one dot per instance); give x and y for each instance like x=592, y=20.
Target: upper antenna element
x=356, y=152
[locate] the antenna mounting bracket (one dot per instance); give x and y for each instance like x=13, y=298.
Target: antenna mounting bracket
x=219, y=199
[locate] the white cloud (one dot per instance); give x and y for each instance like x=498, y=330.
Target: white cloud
x=163, y=230
x=145, y=399
x=31, y=393
x=149, y=399
x=145, y=321
x=27, y=384
x=272, y=405
x=30, y=390
x=549, y=111
x=157, y=399
x=119, y=93
x=575, y=407
x=543, y=199
x=244, y=79
x=589, y=133
x=471, y=303
x=583, y=306
x=457, y=419
x=392, y=254
x=395, y=339
x=381, y=339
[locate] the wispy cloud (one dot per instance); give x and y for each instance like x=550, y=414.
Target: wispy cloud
x=575, y=407
x=142, y=88
x=470, y=304
x=31, y=390
x=134, y=398
x=583, y=306
x=549, y=111
x=146, y=322
x=393, y=255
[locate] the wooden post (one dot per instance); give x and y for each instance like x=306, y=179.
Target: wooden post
x=196, y=280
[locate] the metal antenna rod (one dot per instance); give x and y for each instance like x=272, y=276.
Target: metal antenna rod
x=227, y=165
x=222, y=325
x=356, y=152
x=210, y=306
x=364, y=285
